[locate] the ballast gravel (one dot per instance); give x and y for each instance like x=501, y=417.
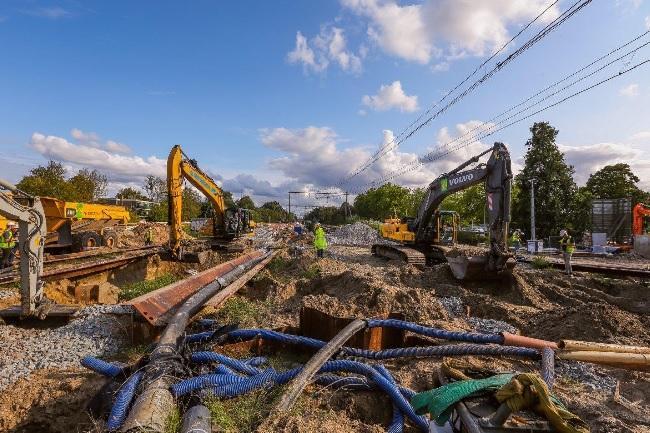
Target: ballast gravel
x=95, y=330
x=357, y=234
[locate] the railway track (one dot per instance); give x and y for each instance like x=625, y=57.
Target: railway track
x=118, y=258
x=599, y=268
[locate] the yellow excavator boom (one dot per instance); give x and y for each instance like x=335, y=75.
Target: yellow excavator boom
x=180, y=167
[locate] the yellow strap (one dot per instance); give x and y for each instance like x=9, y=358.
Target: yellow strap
x=528, y=390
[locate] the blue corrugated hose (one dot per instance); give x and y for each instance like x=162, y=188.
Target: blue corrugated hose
x=397, y=423
x=270, y=376
x=101, y=367
x=123, y=400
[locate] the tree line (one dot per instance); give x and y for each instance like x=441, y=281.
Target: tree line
x=559, y=202
x=53, y=180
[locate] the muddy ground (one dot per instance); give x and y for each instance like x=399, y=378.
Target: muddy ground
x=538, y=303
x=349, y=282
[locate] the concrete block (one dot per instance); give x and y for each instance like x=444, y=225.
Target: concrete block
x=103, y=293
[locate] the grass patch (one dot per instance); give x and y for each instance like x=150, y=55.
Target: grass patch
x=245, y=413
x=173, y=421
x=134, y=290
x=311, y=272
x=278, y=265
x=540, y=263
x=243, y=311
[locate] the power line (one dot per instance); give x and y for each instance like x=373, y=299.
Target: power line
x=487, y=134
x=428, y=156
x=378, y=153
x=489, y=124
x=575, y=7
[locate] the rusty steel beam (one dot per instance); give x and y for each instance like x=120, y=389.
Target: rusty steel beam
x=156, y=306
x=97, y=252
x=221, y=297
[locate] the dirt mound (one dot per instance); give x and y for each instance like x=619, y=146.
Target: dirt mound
x=134, y=236
x=51, y=401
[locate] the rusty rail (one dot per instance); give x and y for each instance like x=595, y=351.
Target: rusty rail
x=81, y=270
x=599, y=268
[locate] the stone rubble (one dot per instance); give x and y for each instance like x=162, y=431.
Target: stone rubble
x=357, y=234
x=95, y=331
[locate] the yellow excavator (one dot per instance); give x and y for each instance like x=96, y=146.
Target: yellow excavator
x=430, y=235
x=229, y=223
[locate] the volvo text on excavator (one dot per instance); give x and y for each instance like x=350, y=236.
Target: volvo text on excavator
x=229, y=223
x=429, y=235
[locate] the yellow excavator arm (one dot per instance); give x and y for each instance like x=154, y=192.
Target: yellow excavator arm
x=228, y=223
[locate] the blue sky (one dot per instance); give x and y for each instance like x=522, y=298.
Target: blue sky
x=278, y=95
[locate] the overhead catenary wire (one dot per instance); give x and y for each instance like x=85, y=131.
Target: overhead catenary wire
x=376, y=155
x=431, y=156
x=563, y=17
x=488, y=133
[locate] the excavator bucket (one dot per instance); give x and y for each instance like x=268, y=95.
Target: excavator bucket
x=477, y=267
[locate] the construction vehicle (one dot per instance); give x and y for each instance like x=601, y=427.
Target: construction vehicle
x=430, y=236
x=228, y=223
x=15, y=205
x=640, y=219
x=76, y=226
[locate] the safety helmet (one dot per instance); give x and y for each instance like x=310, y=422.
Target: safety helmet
x=563, y=232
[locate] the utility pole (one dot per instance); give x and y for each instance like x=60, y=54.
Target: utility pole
x=289, y=208
x=532, y=210
x=347, y=206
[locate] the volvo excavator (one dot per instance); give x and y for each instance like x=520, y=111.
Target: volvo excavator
x=229, y=223
x=430, y=235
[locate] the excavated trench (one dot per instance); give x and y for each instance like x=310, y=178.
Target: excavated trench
x=351, y=283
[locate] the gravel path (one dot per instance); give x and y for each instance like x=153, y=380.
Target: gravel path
x=95, y=331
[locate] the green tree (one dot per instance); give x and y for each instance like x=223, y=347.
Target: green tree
x=328, y=214
x=246, y=202
x=192, y=204
x=469, y=203
x=616, y=181
x=155, y=188
x=387, y=200
x=87, y=185
x=129, y=193
x=272, y=211
x=48, y=181
x=581, y=210
x=554, y=185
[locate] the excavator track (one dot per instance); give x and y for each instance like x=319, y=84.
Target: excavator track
x=399, y=252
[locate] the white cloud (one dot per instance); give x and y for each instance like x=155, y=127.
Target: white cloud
x=314, y=157
x=452, y=28
x=302, y=53
x=329, y=46
x=92, y=139
x=641, y=136
x=440, y=67
x=53, y=13
x=647, y=22
x=391, y=96
x=590, y=158
x=398, y=30
x=630, y=91
x=87, y=153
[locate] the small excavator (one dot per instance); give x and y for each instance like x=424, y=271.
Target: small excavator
x=430, y=236
x=228, y=223
x=27, y=210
